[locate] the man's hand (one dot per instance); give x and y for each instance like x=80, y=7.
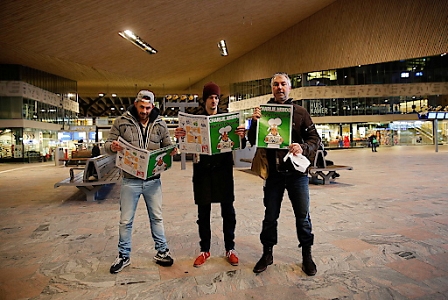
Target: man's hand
x=174, y=152
x=179, y=132
x=295, y=149
x=241, y=131
x=115, y=146
x=256, y=114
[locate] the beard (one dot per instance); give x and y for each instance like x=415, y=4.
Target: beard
x=144, y=117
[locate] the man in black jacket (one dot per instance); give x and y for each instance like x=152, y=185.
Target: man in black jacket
x=280, y=175
x=213, y=183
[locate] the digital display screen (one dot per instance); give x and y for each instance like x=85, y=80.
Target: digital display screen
x=431, y=115
x=79, y=136
x=92, y=135
x=65, y=136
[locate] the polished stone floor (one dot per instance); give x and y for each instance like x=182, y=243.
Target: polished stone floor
x=381, y=232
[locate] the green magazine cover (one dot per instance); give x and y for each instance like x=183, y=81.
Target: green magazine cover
x=143, y=163
x=222, y=132
x=274, y=126
x=160, y=160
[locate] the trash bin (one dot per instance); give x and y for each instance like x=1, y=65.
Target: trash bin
x=58, y=154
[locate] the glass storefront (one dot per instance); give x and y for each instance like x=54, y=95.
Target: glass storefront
x=389, y=134
x=423, y=69
x=27, y=144
x=343, y=135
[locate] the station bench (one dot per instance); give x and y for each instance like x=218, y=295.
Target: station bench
x=98, y=172
x=325, y=172
x=78, y=157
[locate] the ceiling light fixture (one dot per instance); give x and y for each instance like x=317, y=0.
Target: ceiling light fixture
x=223, y=48
x=137, y=41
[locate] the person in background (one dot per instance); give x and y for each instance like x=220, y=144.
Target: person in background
x=80, y=144
x=373, y=142
x=96, y=150
x=213, y=183
x=141, y=126
x=280, y=175
x=340, y=142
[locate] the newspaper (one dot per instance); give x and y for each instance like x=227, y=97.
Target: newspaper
x=209, y=134
x=143, y=163
x=274, y=126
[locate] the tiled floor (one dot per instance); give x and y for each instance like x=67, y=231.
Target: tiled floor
x=381, y=232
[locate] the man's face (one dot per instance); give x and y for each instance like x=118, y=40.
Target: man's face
x=280, y=88
x=211, y=104
x=143, y=109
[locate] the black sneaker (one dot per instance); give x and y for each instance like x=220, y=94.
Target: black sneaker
x=119, y=263
x=163, y=258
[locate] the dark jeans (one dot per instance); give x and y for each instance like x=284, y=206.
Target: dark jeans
x=298, y=192
x=229, y=223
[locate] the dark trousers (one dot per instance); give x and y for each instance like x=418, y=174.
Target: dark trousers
x=298, y=192
x=229, y=223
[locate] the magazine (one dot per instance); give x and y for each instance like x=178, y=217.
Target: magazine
x=274, y=126
x=143, y=163
x=209, y=134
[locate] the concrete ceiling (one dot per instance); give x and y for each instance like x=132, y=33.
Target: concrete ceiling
x=78, y=39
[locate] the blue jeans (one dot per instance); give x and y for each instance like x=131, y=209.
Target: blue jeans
x=298, y=192
x=131, y=189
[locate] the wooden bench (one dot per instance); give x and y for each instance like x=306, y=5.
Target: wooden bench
x=325, y=172
x=98, y=172
x=78, y=157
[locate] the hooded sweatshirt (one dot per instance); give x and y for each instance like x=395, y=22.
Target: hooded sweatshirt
x=154, y=136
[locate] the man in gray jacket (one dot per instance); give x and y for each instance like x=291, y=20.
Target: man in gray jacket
x=141, y=126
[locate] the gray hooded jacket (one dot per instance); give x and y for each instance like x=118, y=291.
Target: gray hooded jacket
x=129, y=128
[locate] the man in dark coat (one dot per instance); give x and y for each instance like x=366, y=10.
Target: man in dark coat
x=280, y=175
x=213, y=183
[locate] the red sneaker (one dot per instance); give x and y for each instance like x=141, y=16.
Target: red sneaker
x=232, y=257
x=200, y=260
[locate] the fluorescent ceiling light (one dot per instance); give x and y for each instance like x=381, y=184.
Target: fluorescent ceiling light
x=223, y=48
x=137, y=41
